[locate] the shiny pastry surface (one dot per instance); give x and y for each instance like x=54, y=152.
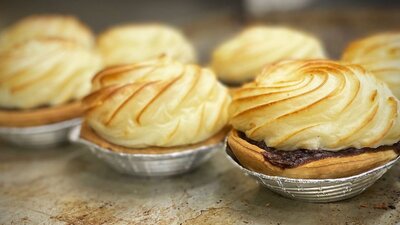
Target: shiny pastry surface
x=46, y=26
x=380, y=54
x=242, y=57
x=159, y=103
x=316, y=104
x=45, y=72
x=135, y=43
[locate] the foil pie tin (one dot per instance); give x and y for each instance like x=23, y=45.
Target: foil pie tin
x=150, y=165
x=39, y=136
x=316, y=190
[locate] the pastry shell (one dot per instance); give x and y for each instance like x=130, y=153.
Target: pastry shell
x=39, y=128
x=316, y=190
x=41, y=116
x=250, y=156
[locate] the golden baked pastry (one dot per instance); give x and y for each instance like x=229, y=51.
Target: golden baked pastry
x=135, y=43
x=158, y=103
x=239, y=59
x=46, y=26
x=314, y=119
x=41, y=73
x=380, y=54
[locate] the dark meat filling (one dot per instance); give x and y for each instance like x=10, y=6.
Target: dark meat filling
x=291, y=159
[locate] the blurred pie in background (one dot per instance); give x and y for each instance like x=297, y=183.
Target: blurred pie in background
x=240, y=58
x=46, y=67
x=380, y=54
x=140, y=42
x=39, y=26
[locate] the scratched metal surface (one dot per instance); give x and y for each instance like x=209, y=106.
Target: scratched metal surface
x=69, y=186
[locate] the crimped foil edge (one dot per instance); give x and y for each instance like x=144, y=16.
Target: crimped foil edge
x=42, y=128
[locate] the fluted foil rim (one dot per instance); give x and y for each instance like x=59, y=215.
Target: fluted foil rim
x=75, y=137
x=41, y=128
